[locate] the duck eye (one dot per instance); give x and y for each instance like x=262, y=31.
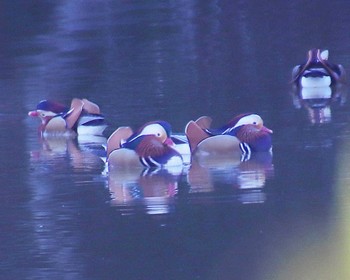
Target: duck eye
x=42, y=114
x=158, y=134
x=254, y=122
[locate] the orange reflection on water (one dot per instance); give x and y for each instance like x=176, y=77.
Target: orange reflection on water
x=318, y=247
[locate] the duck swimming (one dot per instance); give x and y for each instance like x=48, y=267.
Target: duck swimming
x=245, y=134
x=317, y=71
x=82, y=118
x=150, y=146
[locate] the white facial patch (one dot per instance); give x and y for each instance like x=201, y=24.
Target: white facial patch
x=324, y=54
x=43, y=113
x=250, y=119
x=154, y=129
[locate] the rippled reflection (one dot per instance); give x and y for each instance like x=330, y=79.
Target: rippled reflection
x=319, y=102
x=82, y=153
x=245, y=178
x=173, y=60
x=153, y=189
x=157, y=191
x=318, y=246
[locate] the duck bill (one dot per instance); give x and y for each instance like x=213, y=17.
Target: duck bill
x=264, y=128
x=169, y=142
x=33, y=113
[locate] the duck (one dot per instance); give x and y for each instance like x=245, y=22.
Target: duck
x=82, y=118
x=244, y=134
x=150, y=146
x=317, y=71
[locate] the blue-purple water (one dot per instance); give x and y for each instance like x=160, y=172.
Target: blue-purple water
x=284, y=216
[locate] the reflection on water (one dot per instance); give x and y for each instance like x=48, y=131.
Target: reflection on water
x=319, y=102
x=284, y=217
x=156, y=189
x=153, y=189
x=83, y=153
x=318, y=248
x=341, y=250
x=247, y=178
x=214, y=178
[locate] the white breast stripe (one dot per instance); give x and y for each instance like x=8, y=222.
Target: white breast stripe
x=154, y=162
x=144, y=162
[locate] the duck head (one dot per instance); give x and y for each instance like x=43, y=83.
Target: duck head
x=46, y=110
x=157, y=132
x=317, y=71
x=246, y=119
x=231, y=128
x=317, y=56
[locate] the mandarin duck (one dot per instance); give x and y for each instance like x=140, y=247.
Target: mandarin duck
x=150, y=146
x=243, y=134
x=317, y=71
x=82, y=118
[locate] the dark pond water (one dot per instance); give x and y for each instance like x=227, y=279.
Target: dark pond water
x=283, y=217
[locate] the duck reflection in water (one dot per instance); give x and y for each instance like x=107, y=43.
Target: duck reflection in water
x=83, y=152
x=318, y=102
x=246, y=179
x=151, y=189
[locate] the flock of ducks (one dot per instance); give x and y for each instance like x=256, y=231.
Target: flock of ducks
x=154, y=144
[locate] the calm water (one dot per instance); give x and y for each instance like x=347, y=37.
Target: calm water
x=279, y=217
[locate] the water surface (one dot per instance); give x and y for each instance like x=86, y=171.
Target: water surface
x=273, y=217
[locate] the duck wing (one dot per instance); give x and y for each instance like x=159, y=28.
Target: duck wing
x=74, y=112
x=195, y=134
x=91, y=107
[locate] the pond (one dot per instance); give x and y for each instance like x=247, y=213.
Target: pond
x=277, y=216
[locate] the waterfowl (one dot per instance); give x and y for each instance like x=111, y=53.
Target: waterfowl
x=245, y=134
x=317, y=71
x=82, y=118
x=150, y=146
